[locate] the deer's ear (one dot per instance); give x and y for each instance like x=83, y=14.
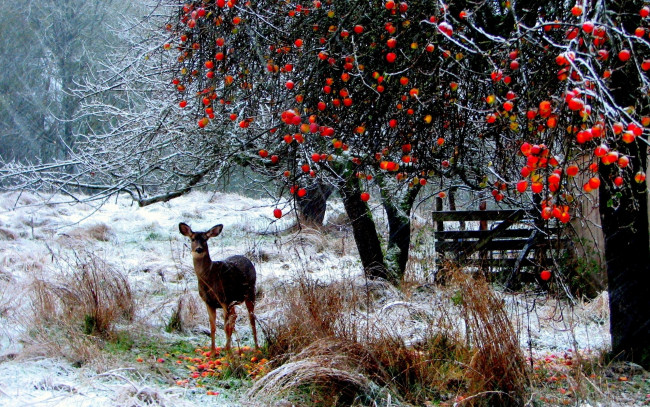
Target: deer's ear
x=215, y=231
x=185, y=229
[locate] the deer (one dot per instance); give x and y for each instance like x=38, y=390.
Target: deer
x=222, y=284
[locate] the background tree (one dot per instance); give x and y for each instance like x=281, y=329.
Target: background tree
x=59, y=42
x=134, y=139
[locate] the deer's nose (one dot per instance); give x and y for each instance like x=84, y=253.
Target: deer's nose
x=199, y=250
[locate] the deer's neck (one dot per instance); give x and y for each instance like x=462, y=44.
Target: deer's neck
x=202, y=265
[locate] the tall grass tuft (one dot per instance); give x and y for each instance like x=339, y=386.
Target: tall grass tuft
x=309, y=311
x=497, y=372
x=329, y=371
x=337, y=344
x=185, y=316
x=82, y=300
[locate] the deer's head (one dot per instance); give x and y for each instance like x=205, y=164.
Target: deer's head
x=199, y=239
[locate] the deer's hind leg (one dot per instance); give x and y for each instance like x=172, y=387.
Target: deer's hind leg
x=230, y=317
x=250, y=305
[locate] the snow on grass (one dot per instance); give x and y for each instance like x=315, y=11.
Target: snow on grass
x=36, y=238
x=54, y=382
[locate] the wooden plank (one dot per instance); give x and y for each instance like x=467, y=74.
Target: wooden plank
x=512, y=277
x=501, y=214
x=467, y=248
x=501, y=262
x=440, y=225
x=508, y=233
x=480, y=234
x=494, y=233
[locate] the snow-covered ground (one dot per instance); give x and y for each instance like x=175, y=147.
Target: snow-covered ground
x=37, y=237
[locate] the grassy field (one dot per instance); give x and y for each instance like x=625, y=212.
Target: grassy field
x=99, y=306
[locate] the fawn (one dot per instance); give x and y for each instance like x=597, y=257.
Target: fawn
x=222, y=284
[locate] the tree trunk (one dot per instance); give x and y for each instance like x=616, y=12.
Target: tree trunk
x=313, y=205
x=624, y=217
x=627, y=252
x=365, y=231
x=399, y=231
x=399, y=241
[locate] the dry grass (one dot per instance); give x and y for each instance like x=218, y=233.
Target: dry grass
x=328, y=371
x=78, y=307
x=309, y=311
x=186, y=315
x=6, y=234
x=100, y=232
x=497, y=374
x=338, y=344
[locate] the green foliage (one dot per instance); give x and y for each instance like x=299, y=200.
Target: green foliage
x=457, y=298
x=175, y=323
x=90, y=325
x=154, y=236
x=122, y=342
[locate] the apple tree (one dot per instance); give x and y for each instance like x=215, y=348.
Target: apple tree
x=319, y=101
x=521, y=99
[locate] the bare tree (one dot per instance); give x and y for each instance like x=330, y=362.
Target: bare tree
x=59, y=43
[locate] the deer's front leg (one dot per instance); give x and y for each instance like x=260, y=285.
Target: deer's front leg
x=212, y=314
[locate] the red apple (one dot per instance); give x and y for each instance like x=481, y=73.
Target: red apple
x=522, y=186
x=594, y=182
x=624, y=55
x=623, y=161
x=645, y=11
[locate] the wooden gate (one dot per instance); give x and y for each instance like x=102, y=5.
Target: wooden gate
x=493, y=239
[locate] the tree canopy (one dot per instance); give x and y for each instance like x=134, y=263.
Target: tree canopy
x=541, y=103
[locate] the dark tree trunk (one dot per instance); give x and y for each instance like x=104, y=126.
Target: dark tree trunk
x=624, y=217
x=399, y=240
x=313, y=205
x=399, y=231
x=627, y=252
x=365, y=232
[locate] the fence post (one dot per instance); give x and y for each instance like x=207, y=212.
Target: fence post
x=483, y=225
x=440, y=225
